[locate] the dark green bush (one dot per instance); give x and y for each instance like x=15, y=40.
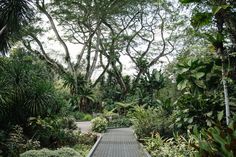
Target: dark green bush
x=53, y=132
x=80, y=116
x=216, y=141
x=120, y=122
x=15, y=142
x=149, y=121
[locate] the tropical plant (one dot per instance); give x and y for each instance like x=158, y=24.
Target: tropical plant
x=150, y=121
x=177, y=146
x=99, y=124
x=14, y=14
x=191, y=74
x=30, y=90
x=216, y=140
x=61, y=152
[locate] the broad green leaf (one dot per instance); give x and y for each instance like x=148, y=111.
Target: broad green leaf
x=220, y=115
x=216, y=9
x=183, y=70
x=201, y=19
x=208, y=122
x=178, y=119
x=182, y=85
x=198, y=75
x=200, y=84
x=190, y=120
x=185, y=119
x=209, y=114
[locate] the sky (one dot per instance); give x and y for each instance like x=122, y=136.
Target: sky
x=55, y=50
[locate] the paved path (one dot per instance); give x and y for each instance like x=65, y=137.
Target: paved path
x=85, y=126
x=118, y=143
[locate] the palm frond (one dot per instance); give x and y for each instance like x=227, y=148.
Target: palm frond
x=13, y=15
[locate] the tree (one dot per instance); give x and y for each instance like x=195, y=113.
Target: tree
x=14, y=14
x=218, y=14
x=27, y=88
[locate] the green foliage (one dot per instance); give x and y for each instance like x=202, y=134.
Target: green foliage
x=82, y=149
x=200, y=19
x=54, y=132
x=15, y=142
x=99, y=124
x=27, y=89
x=81, y=116
x=14, y=14
x=191, y=74
x=149, y=121
x=216, y=141
x=198, y=110
x=147, y=87
x=120, y=122
x=62, y=152
x=177, y=146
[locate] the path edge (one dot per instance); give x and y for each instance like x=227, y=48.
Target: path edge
x=141, y=145
x=95, y=145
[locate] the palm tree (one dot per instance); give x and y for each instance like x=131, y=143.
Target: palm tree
x=14, y=14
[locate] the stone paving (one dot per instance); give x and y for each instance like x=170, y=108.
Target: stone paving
x=85, y=126
x=118, y=143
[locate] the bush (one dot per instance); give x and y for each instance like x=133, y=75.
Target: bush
x=177, y=146
x=216, y=141
x=99, y=124
x=62, y=152
x=87, y=117
x=149, y=121
x=53, y=133
x=15, y=142
x=87, y=138
x=82, y=116
x=120, y=122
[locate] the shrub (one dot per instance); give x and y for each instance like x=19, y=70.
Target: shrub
x=177, y=146
x=87, y=138
x=216, y=141
x=62, y=152
x=87, y=117
x=120, y=122
x=16, y=143
x=82, y=116
x=83, y=149
x=99, y=124
x=149, y=121
x=53, y=133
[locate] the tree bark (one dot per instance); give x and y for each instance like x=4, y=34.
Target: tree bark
x=220, y=51
x=3, y=29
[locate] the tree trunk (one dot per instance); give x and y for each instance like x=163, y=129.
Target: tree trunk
x=226, y=95
x=220, y=51
x=3, y=29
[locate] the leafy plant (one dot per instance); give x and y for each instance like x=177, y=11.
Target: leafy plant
x=150, y=121
x=53, y=133
x=120, y=122
x=200, y=110
x=62, y=152
x=159, y=147
x=216, y=141
x=99, y=124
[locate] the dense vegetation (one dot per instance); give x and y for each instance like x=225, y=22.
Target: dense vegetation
x=67, y=61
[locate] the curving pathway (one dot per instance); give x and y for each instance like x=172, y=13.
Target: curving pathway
x=118, y=143
x=85, y=126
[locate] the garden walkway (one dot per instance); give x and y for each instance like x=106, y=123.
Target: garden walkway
x=85, y=126
x=118, y=143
